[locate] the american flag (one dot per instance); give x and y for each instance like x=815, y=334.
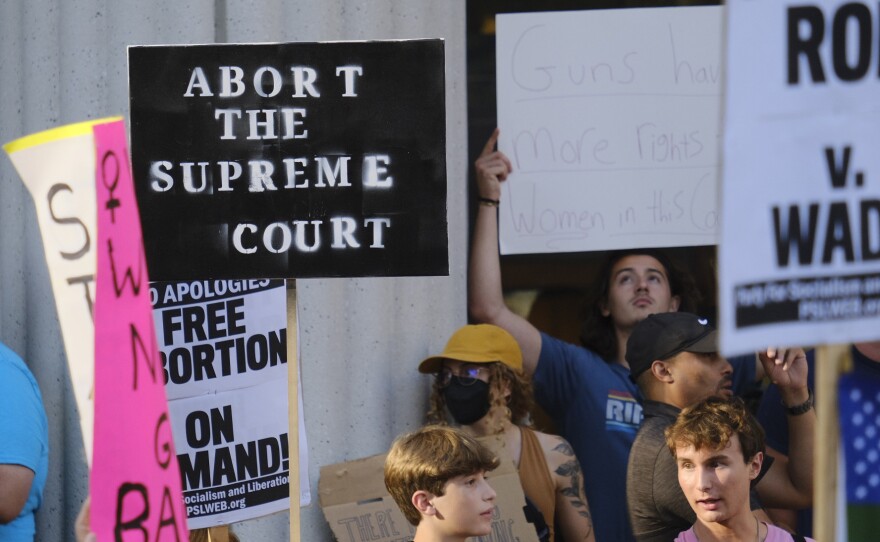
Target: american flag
x=859, y=398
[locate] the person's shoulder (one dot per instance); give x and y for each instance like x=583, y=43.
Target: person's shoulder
x=546, y=439
x=655, y=423
x=647, y=433
x=12, y=368
x=686, y=536
x=8, y=357
x=562, y=463
x=18, y=384
x=777, y=534
x=553, y=444
x=646, y=446
x=548, y=341
x=558, y=349
x=649, y=447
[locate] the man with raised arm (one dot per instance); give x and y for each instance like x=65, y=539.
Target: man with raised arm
x=585, y=389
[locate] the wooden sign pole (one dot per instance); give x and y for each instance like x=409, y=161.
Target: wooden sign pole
x=293, y=410
x=831, y=362
x=218, y=534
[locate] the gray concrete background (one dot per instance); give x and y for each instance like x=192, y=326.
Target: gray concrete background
x=64, y=61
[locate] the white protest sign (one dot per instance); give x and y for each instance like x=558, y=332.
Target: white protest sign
x=58, y=168
x=800, y=242
x=233, y=456
x=611, y=120
x=224, y=357
x=217, y=335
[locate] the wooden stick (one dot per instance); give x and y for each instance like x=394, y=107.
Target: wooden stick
x=218, y=534
x=831, y=362
x=293, y=411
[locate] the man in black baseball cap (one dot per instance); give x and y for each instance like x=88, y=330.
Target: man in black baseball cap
x=674, y=359
x=660, y=338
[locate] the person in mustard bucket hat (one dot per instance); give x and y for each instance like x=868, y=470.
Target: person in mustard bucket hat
x=479, y=383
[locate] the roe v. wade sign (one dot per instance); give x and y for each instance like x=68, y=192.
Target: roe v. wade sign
x=290, y=160
x=611, y=121
x=800, y=245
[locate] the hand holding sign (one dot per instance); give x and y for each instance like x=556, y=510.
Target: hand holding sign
x=787, y=368
x=492, y=167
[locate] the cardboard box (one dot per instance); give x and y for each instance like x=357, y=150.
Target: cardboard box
x=359, y=509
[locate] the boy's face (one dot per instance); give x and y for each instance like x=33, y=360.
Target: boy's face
x=466, y=506
x=716, y=482
x=637, y=288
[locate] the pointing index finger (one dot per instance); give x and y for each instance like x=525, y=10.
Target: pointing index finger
x=490, y=145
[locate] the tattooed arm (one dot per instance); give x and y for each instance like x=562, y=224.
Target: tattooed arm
x=573, y=517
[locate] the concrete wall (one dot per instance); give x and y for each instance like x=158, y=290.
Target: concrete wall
x=64, y=62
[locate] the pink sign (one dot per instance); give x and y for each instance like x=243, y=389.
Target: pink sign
x=135, y=483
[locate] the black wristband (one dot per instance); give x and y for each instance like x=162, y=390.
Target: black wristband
x=802, y=408
x=489, y=202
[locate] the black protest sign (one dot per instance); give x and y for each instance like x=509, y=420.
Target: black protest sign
x=290, y=160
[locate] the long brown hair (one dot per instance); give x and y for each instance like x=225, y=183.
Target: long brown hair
x=597, y=331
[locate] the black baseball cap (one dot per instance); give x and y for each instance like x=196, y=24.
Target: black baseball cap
x=663, y=335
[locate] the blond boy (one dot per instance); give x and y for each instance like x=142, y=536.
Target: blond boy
x=437, y=476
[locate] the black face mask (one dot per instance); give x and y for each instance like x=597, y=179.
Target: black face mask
x=467, y=404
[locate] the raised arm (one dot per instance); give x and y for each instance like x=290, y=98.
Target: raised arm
x=485, y=298
x=789, y=483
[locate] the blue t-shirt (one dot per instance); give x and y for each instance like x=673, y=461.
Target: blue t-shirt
x=596, y=407
x=24, y=438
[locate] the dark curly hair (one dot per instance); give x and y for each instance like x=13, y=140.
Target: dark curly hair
x=597, y=331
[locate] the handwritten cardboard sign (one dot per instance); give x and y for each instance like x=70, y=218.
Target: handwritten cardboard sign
x=135, y=481
x=611, y=121
x=58, y=168
x=358, y=508
x=800, y=250
x=291, y=159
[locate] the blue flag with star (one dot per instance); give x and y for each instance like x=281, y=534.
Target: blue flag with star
x=859, y=399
